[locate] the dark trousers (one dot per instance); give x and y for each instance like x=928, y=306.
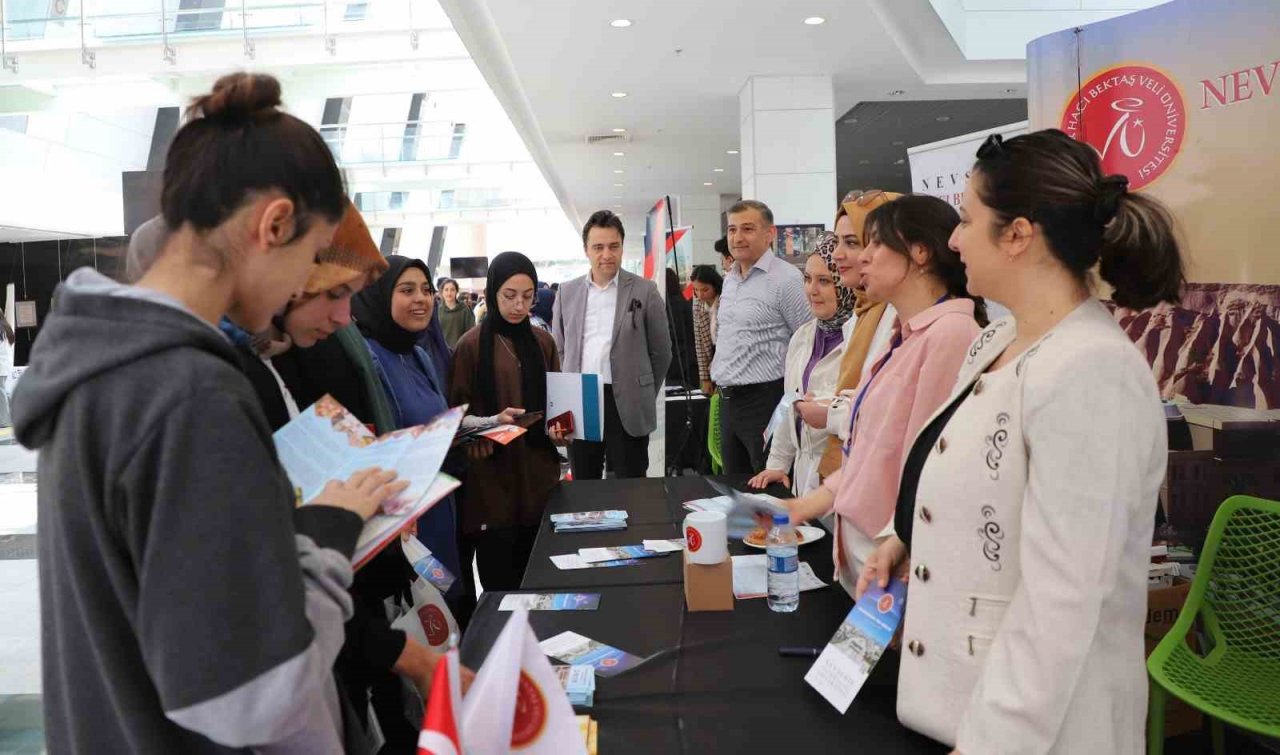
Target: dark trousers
x=627, y=455
x=744, y=414
x=501, y=556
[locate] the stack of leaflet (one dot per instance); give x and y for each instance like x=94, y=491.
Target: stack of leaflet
x=589, y=521
x=579, y=684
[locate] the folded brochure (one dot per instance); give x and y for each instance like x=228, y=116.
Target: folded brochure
x=562, y=601
x=326, y=442
x=848, y=658
x=571, y=561
x=617, y=553
x=574, y=649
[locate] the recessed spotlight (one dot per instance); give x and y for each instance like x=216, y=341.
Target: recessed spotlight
x=617, y=186
x=717, y=170
x=707, y=183
x=942, y=118
x=899, y=161
x=864, y=162
x=899, y=144
x=620, y=23
x=731, y=152
x=619, y=170
x=814, y=20
x=617, y=207
x=619, y=131
x=619, y=95
x=897, y=92
x=619, y=154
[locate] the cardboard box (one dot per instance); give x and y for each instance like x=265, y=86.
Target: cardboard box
x=708, y=588
x=1163, y=606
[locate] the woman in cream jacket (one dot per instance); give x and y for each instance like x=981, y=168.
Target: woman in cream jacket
x=1028, y=501
x=812, y=369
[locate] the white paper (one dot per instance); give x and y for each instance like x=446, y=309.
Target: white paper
x=565, y=393
x=664, y=546
x=781, y=413
x=429, y=620
x=570, y=561
x=751, y=577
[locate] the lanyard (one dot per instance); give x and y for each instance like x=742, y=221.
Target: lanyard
x=857, y=404
x=875, y=372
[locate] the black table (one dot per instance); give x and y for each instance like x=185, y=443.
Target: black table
x=715, y=682
x=644, y=499
x=542, y=574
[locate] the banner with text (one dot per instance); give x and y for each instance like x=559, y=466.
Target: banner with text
x=941, y=169
x=1183, y=99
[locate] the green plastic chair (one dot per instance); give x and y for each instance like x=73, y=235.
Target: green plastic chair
x=1236, y=592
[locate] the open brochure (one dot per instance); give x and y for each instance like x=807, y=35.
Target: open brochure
x=326, y=442
x=740, y=509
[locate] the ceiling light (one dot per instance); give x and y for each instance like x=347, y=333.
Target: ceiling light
x=898, y=144
x=620, y=23
x=1011, y=91
x=731, y=152
x=619, y=170
x=619, y=154
x=897, y=92
x=619, y=131
x=814, y=20
x=707, y=183
x=717, y=170
x=617, y=186
x=900, y=161
x=619, y=95
x=617, y=207
x=864, y=162
x=942, y=118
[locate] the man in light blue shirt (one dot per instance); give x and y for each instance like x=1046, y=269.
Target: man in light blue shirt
x=762, y=305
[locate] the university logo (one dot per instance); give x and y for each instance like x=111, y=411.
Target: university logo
x=531, y=713
x=885, y=604
x=693, y=538
x=1134, y=116
x=434, y=625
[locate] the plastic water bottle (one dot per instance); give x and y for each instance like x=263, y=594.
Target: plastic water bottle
x=784, y=565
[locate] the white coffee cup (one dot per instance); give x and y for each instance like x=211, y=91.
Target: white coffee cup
x=706, y=537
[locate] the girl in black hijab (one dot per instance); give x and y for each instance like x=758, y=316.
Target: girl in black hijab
x=501, y=367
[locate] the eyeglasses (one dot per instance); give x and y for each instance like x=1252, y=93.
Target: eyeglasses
x=992, y=148
x=862, y=198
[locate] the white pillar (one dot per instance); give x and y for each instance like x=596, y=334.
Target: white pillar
x=788, y=147
x=702, y=213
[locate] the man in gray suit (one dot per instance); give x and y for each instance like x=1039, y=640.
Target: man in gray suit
x=613, y=323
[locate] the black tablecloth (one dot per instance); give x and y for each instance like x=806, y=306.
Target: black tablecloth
x=644, y=499
x=543, y=574
x=716, y=682
x=636, y=710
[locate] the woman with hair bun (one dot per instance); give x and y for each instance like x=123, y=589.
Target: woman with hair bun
x=1028, y=501
x=907, y=264
x=187, y=604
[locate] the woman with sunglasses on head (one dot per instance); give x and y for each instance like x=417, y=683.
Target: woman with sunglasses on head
x=812, y=365
x=906, y=263
x=1028, y=501
x=167, y=527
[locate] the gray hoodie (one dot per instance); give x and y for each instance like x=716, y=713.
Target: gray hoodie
x=187, y=606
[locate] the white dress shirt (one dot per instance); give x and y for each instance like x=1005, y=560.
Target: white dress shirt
x=597, y=332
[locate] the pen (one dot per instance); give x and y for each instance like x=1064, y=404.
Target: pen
x=787, y=652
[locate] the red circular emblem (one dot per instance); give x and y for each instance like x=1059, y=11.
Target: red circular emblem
x=434, y=624
x=531, y=714
x=1134, y=117
x=693, y=539
x=885, y=604
x=609, y=662
x=438, y=573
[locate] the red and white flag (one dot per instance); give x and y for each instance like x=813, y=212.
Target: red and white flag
x=516, y=703
x=441, y=734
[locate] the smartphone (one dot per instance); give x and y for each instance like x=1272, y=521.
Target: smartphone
x=528, y=419
x=563, y=423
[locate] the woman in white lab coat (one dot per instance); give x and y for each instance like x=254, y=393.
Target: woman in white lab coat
x=812, y=369
x=1028, y=501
